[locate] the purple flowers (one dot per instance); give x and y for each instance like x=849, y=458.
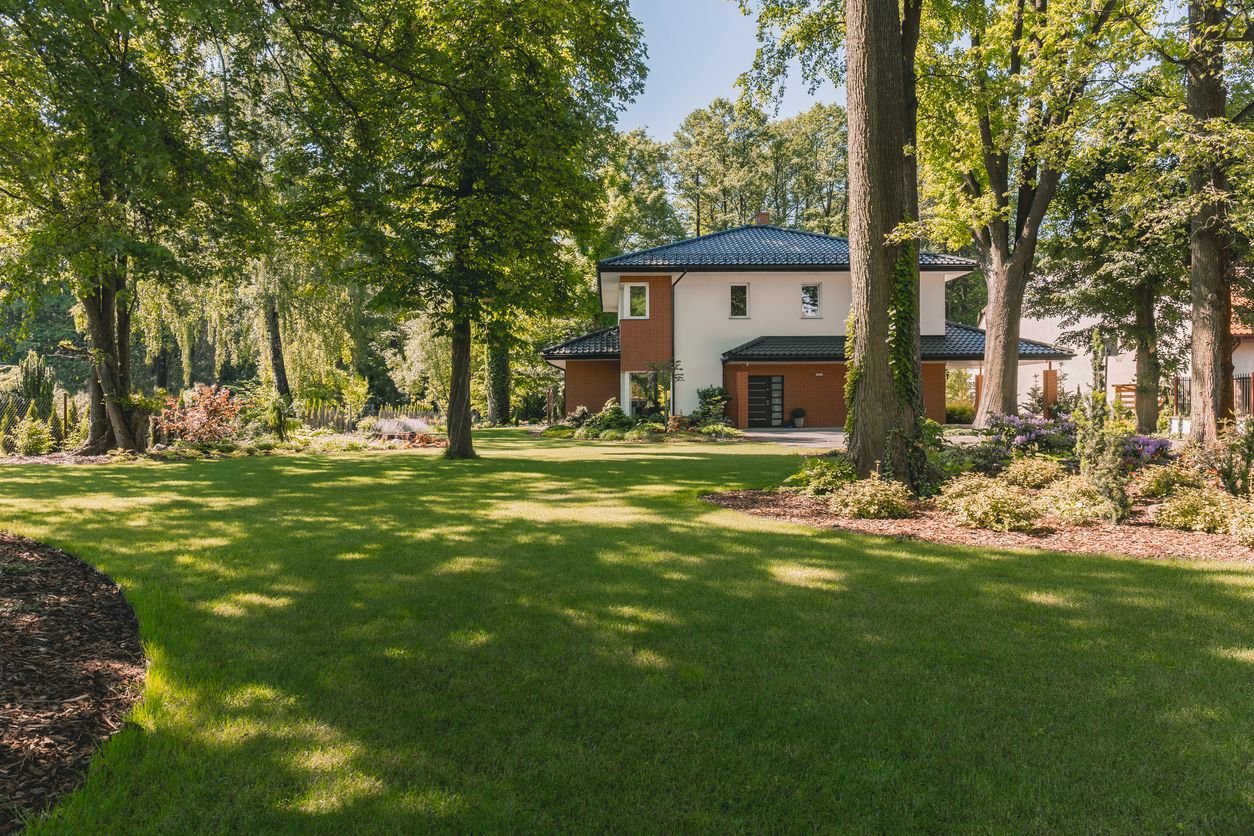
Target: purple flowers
x=1144, y=449
x=1035, y=433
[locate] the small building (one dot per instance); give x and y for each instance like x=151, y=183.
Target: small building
x=759, y=310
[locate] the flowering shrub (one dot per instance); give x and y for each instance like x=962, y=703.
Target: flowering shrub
x=1159, y=482
x=1242, y=525
x=873, y=498
x=1197, y=509
x=580, y=416
x=1035, y=433
x=206, y=416
x=1033, y=472
x=1140, y=450
x=981, y=502
x=1075, y=502
x=821, y=475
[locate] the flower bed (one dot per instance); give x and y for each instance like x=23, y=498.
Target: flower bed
x=1137, y=537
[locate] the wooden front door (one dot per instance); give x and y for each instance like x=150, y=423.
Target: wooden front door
x=766, y=400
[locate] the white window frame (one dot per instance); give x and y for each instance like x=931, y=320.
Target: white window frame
x=819, y=287
x=731, y=315
x=626, y=313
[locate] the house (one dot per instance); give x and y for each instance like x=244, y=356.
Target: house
x=759, y=310
x=1076, y=372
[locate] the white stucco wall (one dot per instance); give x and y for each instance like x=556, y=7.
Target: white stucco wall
x=1243, y=357
x=1120, y=369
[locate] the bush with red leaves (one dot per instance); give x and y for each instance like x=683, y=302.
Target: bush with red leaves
x=206, y=416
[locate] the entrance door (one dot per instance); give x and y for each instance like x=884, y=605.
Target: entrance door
x=766, y=400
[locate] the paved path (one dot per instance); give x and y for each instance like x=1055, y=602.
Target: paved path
x=801, y=439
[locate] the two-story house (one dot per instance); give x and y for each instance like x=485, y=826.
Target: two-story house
x=760, y=311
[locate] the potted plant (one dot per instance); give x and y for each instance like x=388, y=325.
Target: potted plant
x=798, y=417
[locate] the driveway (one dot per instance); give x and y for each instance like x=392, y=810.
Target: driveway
x=805, y=439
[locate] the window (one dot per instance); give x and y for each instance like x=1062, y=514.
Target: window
x=810, y=301
x=637, y=301
x=739, y=301
x=647, y=397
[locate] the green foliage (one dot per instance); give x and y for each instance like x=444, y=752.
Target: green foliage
x=1075, y=502
x=611, y=417
x=31, y=437
x=36, y=383
x=720, y=431
x=711, y=405
x=1101, y=444
x=821, y=475
x=986, y=457
x=1157, y=482
x=1033, y=472
x=558, y=431
x=1197, y=509
x=1241, y=526
x=1230, y=459
x=612, y=435
x=982, y=502
x=872, y=498
x=958, y=412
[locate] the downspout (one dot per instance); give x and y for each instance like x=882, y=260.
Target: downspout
x=674, y=375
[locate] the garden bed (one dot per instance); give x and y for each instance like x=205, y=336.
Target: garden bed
x=1135, y=538
x=71, y=667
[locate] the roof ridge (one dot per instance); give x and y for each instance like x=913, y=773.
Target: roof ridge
x=648, y=250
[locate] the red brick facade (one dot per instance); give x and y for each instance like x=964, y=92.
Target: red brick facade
x=590, y=383
x=818, y=388
x=645, y=341
x=934, y=391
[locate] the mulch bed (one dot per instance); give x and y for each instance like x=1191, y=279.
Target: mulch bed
x=1135, y=538
x=71, y=667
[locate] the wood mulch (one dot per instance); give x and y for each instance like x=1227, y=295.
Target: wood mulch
x=71, y=667
x=1135, y=538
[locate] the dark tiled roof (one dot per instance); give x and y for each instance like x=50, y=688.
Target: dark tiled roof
x=960, y=342
x=599, y=345
x=752, y=247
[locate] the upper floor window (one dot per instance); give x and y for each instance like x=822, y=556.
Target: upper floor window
x=810, y=301
x=637, y=306
x=739, y=301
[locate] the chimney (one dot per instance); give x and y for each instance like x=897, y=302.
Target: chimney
x=762, y=219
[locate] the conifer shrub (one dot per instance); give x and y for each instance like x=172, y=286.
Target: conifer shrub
x=32, y=437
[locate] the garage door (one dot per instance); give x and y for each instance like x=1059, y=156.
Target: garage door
x=766, y=400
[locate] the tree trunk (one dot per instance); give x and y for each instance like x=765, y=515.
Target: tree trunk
x=460, y=443
x=103, y=316
x=880, y=430
x=1148, y=372
x=274, y=339
x=1210, y=255
x=1000, y=392
x=498, y=374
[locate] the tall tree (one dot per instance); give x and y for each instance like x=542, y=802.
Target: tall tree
x=108, y=161
x=638, y=212
x=720, y=171
x=463, y=135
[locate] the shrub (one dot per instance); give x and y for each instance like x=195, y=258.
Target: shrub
x=558, y=431
x=678, y=423
x=1159, y=482
x=1197, y=509
x=957, y=412
x=987, y=457
x=611, y=417
x=1242, y=524
x=1230, y=459
x=612, y=435
x=981, y=502
x=651, y=427
x=368, y=425
x=1033, y=472
x=586, y=432
x=1035, y=433
x=873, y=498
x=1075, y=502
x=822, y=475
x=720, y=431
x=798, y=412
x=32, y=437
x=206, y=416
x=580, y=416
x=636, y=434
x=711, y=405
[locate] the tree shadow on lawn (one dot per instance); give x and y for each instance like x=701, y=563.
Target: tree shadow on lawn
x=398, y=642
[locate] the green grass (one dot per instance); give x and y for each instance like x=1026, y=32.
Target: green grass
x=563, y=636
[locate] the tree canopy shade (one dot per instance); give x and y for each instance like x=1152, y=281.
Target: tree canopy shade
x=111, y=143
x=465, y=136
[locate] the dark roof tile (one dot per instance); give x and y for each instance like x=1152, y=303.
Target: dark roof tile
x=960, y=342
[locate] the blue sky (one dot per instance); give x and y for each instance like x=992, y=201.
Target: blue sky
x=697, y=49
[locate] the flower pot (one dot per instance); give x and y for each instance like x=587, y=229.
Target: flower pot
x=798, y=422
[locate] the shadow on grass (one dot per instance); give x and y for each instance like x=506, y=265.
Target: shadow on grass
x=565, y=637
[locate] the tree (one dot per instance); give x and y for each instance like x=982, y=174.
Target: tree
x=718, y=155
x=463, y=138
x=638, y=212
x=107, y=156
x=1118, y=252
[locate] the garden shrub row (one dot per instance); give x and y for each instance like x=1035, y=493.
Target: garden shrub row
x=612, y=423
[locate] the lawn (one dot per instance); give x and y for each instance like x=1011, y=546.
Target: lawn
x=564, y=636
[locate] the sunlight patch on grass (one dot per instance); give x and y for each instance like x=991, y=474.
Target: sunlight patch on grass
x=470, y=638
x=1050, y=599
x=808, y=577
x=1239, y=654
x=652, y=616
x=242, y=603
x=467, y=565
x=433, y=802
